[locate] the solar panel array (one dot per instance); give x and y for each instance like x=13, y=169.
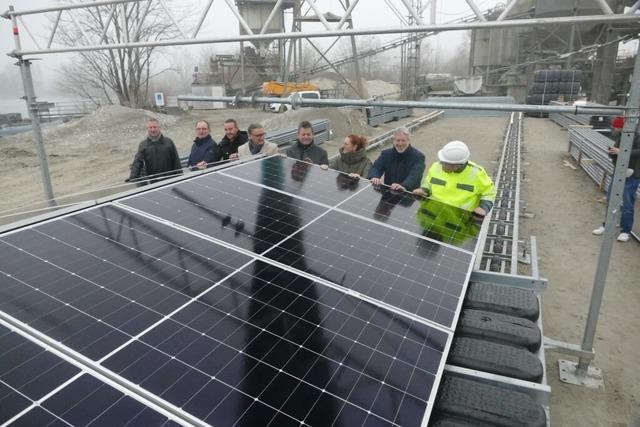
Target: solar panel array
x=269, y=293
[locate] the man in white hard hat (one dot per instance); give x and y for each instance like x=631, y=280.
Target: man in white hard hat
x=457, y=181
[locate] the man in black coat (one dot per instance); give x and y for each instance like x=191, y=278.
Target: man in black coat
x=233, y=138
x=204, y=150
x=402, y=165
x=157, y=156
x=304, y=148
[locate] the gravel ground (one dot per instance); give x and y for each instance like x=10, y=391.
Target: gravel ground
x=96, y=151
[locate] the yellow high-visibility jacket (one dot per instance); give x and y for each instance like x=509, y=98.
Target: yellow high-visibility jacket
x=467, y=189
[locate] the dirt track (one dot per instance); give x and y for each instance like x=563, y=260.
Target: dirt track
x=563, y=201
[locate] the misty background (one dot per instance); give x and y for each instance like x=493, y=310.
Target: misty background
x=446, y=52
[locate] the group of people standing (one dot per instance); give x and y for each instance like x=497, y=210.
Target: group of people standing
x=453, y=179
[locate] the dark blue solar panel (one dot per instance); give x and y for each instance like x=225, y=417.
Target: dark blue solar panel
x=234, y=341
x=434, y=220
x=90, y=402
x=228, y=209
x=97, y=278
x=29, y=369
x=269, y=347
x=30, y=374
x=417, y=275
x=299, y=178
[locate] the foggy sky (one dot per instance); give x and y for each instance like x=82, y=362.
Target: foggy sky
x=220, y=21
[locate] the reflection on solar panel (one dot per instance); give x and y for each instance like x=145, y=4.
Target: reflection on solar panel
x=406, y=272
x=433, y=219
x=265, y=294
x=38, y=388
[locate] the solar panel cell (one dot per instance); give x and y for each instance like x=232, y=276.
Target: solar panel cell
x=298, y=178
x=383, y=264
x=228, y=209
x=288, y=342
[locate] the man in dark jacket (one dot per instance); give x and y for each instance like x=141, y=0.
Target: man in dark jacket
x=402, y=165
x=304, y=149
x=233, y=138
x=204, y=150
x=157, y=155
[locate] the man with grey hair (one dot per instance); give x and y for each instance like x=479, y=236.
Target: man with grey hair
x=402, y=165
x=157, y=155
x=256, y=144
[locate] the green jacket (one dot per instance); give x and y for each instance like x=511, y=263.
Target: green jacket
x=357, y=162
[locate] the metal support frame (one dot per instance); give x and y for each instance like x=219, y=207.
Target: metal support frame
x=32, y=107
x=582, y=371
x=476, y=10
x=250, y=37
x=508, y=10
x=297, y=102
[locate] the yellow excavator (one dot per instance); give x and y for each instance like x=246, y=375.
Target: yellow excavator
x=274, y=88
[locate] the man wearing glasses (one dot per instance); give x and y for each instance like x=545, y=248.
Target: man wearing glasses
x=256, y=144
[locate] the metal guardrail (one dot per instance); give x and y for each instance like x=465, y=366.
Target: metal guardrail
x=590, y=150
x=379, y=115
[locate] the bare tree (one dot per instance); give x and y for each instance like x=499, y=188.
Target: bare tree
x=122, y=74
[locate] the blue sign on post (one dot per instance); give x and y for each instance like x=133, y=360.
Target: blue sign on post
x=159, y=97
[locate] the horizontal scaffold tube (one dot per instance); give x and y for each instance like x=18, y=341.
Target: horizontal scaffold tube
x=297, y=101
x=457, y=26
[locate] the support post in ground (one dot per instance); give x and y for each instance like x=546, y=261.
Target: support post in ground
x=583, y=373
x=32, y=108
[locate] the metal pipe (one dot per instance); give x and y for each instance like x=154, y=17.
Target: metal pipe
x=347, y=14
x=202, y=18
x=426, y=5
x=476, y=10
x=30, y=98
x=508, y=9
x=32, y=106
x=8, y=14
x=412, y=12
x=575, y=109
x=513, y=23
x=240, y=19
x=613, y=206
x=357, y=90
x=605, y=7
x=54, y=29
x=270, y=17
x=24, y=25
x=173, y=18
x=319, y=14
x=396, y=12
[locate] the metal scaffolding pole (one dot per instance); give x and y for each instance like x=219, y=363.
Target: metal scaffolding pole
x=32, y=107
x=615, y=201
x=297, y=101
x=513, y=23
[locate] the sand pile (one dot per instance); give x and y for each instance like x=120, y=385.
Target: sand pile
x=382, y=88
